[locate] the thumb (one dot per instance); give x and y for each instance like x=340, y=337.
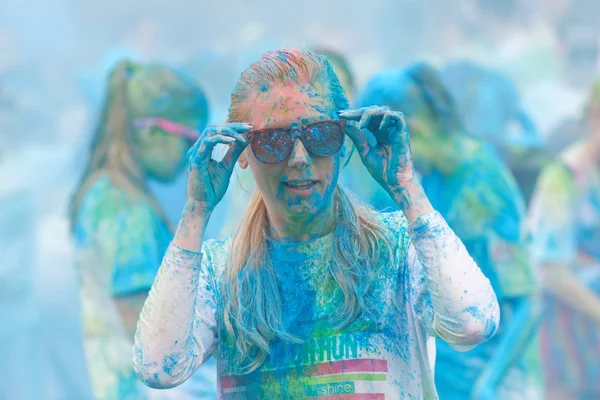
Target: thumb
x=360, y=141
x=233, y=154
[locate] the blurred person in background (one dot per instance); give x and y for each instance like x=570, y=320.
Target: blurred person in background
x=504, y=35
x=556, y=100
x=473, y=189
x=150, y=117
x=565, y=233
x=490, y=108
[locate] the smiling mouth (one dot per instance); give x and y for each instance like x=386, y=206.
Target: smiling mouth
x=300, y=185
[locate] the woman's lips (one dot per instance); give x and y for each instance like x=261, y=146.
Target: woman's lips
x=300, y=186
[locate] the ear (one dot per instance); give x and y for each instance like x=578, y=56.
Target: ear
x=243, y=160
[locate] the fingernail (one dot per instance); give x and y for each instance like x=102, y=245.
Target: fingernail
x=243, y=125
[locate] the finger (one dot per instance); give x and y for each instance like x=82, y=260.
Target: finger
x=395, y=123
x=225, y=131
x=387, y=121
x=208, y=144
x=391, y=120
x=360, y=141
x=240, y=127
x=232, y=155
x=354, y=115
x=365, y=119
x=371, y=118
x=194, y=149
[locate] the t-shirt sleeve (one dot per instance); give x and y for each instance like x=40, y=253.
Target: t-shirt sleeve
x=178, y=329
x=128, y=238
x=447, y=291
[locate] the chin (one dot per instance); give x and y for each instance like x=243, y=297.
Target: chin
x=298, y=206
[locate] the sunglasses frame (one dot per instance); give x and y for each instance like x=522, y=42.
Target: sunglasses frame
x=299, y=132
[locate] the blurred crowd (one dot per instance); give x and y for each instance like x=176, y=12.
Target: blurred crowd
x=502, y=101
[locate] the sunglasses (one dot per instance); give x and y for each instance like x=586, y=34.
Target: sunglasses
x=273, y=145
x=168, y=126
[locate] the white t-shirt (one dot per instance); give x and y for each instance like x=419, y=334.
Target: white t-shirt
x=430, y=288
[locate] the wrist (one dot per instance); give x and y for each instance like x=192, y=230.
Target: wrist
x=192, y=225
x=411, y=199
x=405, y=193
x=196, y=210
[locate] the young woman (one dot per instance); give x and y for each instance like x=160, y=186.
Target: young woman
x=565, y=223
x=152, y=115
x=470, y=186
x=316, y=294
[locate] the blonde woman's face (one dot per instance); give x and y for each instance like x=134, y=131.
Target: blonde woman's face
x=301, y=184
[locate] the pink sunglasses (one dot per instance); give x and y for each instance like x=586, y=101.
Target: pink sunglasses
x=168, y=126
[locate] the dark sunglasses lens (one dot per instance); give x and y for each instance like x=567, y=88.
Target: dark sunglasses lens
x=324, y=138
x=272, y=146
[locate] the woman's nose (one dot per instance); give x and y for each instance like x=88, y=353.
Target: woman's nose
x=300, y=157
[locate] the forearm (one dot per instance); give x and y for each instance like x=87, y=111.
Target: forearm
x=559, y=281
x=516, y=337
x=465, y=308
x=412, y=200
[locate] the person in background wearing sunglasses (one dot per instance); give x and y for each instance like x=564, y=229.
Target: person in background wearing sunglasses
x=469, y=185
x=316, y=294
x=152, y=115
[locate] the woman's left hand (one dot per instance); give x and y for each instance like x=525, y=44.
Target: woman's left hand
x=390, y=160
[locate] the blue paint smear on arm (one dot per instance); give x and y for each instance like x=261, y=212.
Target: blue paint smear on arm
x=168, y=363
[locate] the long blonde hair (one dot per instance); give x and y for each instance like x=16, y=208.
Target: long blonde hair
x=252, y=306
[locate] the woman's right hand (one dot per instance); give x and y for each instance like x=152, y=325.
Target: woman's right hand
x=208, y=179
